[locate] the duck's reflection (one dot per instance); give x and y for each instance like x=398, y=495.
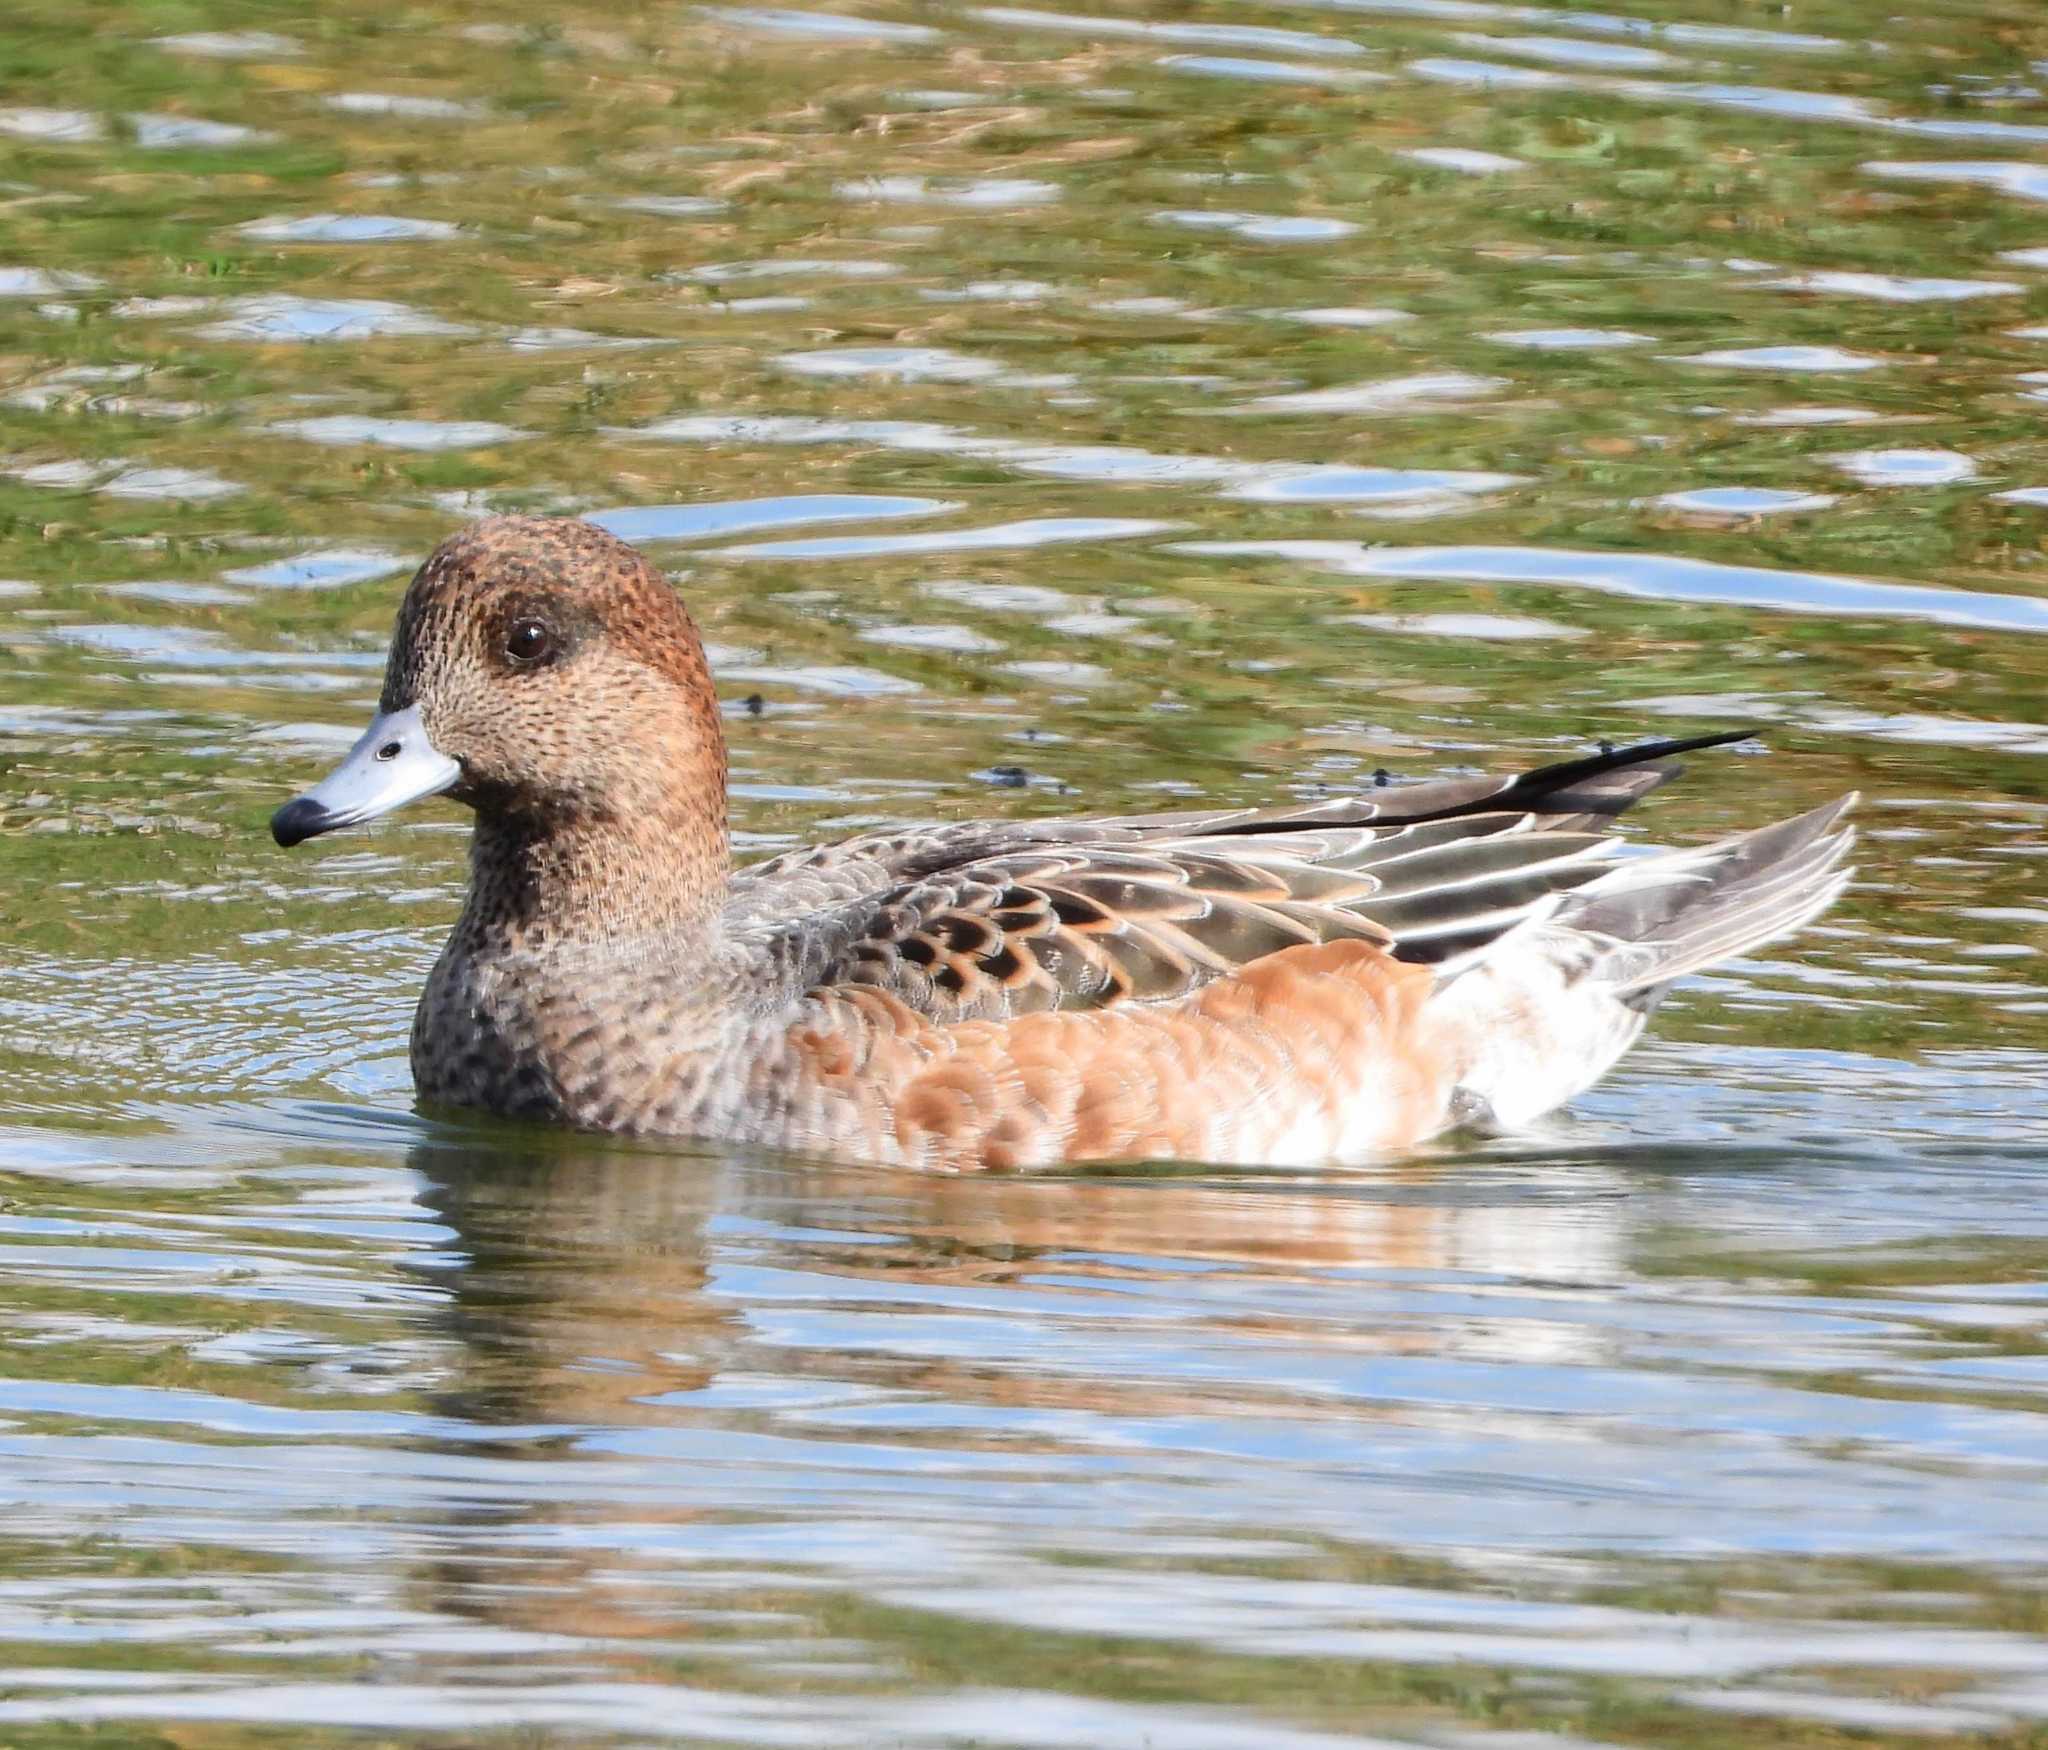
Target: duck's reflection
x=712, y=1353
x=607, y=1283
x=583, y=1295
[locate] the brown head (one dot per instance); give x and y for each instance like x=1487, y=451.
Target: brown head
x=544, y=673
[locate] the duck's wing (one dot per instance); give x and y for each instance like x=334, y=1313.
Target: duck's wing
x=993, y=920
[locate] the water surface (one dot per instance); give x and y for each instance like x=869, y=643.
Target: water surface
x=1045, y=411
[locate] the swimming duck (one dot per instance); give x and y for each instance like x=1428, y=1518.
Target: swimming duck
x=1314, y=983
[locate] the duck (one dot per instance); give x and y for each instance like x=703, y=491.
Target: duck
x=1327, y=982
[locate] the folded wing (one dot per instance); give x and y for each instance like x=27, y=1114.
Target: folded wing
x=988, y=921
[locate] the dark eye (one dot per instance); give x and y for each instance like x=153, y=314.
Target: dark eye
x=529, y=641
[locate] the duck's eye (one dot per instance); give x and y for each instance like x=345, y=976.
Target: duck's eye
x=529, y=641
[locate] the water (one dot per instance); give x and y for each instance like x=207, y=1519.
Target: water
x=1045, y=411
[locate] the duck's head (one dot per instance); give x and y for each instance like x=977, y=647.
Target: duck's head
x=544, y=673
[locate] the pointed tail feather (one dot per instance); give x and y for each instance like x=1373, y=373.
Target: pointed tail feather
x=1674, y=914
x=1569, y=793
x=1541, y=1013
x=1604, y=783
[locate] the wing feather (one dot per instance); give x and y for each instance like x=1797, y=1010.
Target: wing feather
x=994, y=920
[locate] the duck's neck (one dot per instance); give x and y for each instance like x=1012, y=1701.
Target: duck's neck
x=593, y=881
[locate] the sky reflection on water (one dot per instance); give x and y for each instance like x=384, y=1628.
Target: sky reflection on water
x=1022, y=399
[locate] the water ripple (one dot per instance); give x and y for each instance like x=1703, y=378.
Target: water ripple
x=1659, y=576
x=1712, y=1411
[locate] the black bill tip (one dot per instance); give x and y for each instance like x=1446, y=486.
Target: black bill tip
x=300, y=819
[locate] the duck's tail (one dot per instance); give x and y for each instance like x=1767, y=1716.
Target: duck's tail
x=1675, y=913
x=1542, y=1012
